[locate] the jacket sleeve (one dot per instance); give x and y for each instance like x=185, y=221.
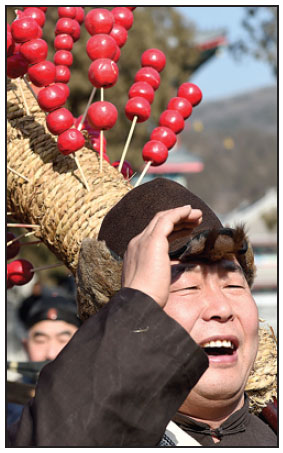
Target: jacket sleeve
x=118, y=382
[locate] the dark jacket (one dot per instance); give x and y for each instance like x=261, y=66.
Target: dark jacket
x=118, y=382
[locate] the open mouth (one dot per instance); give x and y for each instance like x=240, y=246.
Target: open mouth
x=219, y=347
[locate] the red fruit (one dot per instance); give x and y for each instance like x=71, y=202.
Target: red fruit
x=63, y=42
x=65, y=88
x=102, y=115
x=95, y=141
x=191, y=92
x=105, y=157
x=154, y=58
x=34, y=51
x=130, y=7
x=24, y=29
x=76, y=32
x=59, y=121
x=17, y=47
x=36, y=14
x=43, y=8
x=148, y=75
x=63, y=74
x=123, y=16
x=117, y=54
x=42, y=74
x=14, y=248
x=99, y=20
x=126, y=170
x=67, y=11
x=80, y=14
x=120, y=34
x=8, y=27
x=70, y=141
x=19, y=272
x=172, y=119
x=165, y=135
x=63, y=57
x=139, y=107
x=142, y=89
x=64, y=25
x=103, y=72
x=10, y=44
x=51, y=98
x=17, y=66
x=182, y=105
x=155, y=152
x=101, y=46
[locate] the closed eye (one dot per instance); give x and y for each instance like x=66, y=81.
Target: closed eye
x=184, y=289
x=234, y=286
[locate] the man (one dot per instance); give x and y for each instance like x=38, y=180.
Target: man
x=50, y=321
x=177, y=341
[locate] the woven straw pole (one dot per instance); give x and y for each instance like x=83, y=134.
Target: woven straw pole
x=54, y=197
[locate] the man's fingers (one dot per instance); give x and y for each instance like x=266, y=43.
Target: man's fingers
x=175, y=219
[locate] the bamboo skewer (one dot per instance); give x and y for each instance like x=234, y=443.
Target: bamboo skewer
x=148, y=164
x=22, y=225
x=101, y=135
x=17, y=173
x=43, y=268
x=86, y=109
x=127, y=143
x=24, y=235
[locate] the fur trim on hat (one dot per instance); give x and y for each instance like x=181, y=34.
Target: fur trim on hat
x=215, y=245
x=98, y=277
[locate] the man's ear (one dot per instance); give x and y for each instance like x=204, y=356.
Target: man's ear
x=24, y=342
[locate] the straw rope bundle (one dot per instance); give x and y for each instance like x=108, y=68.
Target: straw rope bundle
x=262, y=383
x=53, y=195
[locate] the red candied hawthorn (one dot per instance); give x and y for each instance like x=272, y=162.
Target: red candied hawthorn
x=154, y=58
x=123, y=16
x=139, y=107
x=70, y=141
x=34, y=51
x=24, y=29
x=19, y=272
x=99, y=20
x=149, y=75
x=120, y=34
x=165, y=135
x=35, y=13
x=155, y=152
x=63, y=74
x=101, y=46
x=142, y=89
x=63, y=57
x=42, y=74
x=102, y=115
x=59, y=121
x=172, y=119
x=50, y=98
x=103, y=73
x=63, y=42
x=182, y=105
x=191, y=92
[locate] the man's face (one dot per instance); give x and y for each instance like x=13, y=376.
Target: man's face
x=47, y=338
x=214, y=304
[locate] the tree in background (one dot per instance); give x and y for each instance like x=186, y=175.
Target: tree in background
x=260, y=22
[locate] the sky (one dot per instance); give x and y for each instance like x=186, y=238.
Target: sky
x=223, y=76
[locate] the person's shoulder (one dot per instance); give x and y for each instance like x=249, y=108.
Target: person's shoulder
x=265, y=435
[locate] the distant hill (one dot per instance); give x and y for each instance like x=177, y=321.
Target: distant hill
x=236, y=139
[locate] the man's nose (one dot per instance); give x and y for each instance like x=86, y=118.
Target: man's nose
x=52, y=351
x=217, y=306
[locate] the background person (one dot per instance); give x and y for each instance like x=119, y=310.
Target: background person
x=50, y=320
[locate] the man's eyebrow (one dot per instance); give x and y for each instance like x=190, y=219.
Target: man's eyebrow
x=64, y=332
x=231, y=266
x=39, y=334
x=178, y=269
